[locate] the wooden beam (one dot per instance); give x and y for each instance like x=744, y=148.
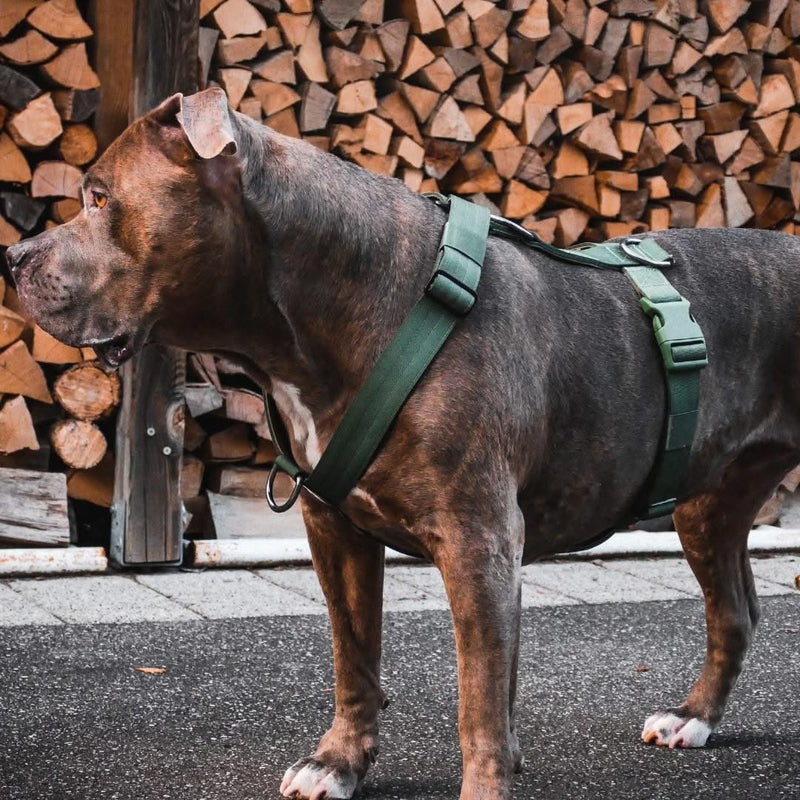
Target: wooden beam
x=146, y=526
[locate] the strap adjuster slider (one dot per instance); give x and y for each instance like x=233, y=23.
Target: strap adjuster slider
x=450, y=292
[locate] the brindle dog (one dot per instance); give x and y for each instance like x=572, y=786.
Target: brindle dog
x=533, y=430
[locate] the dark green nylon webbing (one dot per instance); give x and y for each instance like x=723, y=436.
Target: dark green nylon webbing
x=683, y=350
x=449, y=296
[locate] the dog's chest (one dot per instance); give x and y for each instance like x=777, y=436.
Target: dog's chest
x=301, y=421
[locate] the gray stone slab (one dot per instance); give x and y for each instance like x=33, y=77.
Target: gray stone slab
x=17, y=610
x=534, y=596
x=224, y=594
x=592, y=583
x=100, y=599
x=776, y=574
x=404, y=588
x=428, y=579
x=303, y=582
x=673, y=573
x=399, y=595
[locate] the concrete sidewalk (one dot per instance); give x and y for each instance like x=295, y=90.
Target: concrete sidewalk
x=172, y=596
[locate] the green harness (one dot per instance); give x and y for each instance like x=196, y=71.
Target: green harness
x=450, y=295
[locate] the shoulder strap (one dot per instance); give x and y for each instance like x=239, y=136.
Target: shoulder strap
x=683, y=350
x=450, y=294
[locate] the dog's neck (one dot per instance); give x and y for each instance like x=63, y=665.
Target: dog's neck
x=343, y=255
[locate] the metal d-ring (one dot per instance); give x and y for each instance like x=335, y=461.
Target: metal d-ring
x=626, y=246
x=291, y=500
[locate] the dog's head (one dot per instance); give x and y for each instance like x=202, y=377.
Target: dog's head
x=159, y=211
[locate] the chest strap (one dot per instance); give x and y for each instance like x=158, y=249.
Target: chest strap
x=450, y=295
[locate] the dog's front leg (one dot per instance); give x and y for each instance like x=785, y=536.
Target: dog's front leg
x=481, y=568
x=350, y=570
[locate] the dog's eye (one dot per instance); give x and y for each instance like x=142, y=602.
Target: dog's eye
x=99, y=199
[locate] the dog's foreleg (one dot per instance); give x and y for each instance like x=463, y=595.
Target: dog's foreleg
x=713, y=529
x=350, y=570
x=481, y=568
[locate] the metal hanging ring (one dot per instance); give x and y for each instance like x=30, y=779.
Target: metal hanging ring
x=627, y=246
x=291, y=500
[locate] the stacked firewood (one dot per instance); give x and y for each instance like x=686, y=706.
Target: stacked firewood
x=226, y=442
x=582, y=119
x=56, y=400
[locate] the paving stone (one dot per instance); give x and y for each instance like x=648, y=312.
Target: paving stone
x=100, y=598
x=17, y=610
x=534, y=596
x=399, y=595
x=428, y=579
x=595, y=584
x=776, y=574
x=229, y=593
x=673, y=573
x=303, y=582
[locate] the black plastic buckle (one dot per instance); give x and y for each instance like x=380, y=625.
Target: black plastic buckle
x=455, y=296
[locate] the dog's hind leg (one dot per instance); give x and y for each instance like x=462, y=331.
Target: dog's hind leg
x=349, y=566
x=481, y=567
x=713, y=530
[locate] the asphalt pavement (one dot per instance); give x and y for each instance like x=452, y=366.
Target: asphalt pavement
x=242, y=696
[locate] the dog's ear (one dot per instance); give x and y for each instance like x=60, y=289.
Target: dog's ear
x=206, y=121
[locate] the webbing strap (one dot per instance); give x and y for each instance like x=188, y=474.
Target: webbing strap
x=683, y=350
x=450, y=295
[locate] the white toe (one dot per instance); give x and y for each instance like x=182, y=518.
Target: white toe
x=694, y=733
x=670, y=730
x=660, y=728
x=335, y=787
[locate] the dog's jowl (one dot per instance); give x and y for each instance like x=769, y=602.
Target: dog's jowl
x=533, y=430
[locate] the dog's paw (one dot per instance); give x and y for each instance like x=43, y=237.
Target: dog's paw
x=314, y=780
x=670, y=730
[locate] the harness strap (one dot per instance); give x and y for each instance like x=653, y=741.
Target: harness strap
x=449, y=295
x=683, y=350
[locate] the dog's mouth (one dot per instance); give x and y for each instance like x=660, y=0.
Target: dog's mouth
x=115, y=351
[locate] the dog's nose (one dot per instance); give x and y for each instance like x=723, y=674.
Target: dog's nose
x=16, y=256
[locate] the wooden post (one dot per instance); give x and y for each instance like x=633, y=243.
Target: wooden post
x=147, y=524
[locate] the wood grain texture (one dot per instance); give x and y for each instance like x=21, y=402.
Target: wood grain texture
x=146, y=514
x=33, y=507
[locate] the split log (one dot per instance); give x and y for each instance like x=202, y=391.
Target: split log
x=33, y=508
x=192, y=470
x=21, y=209
x=70, y=68
x=13, y=165
x=32, y=48
x=48, y=350
x=56, y=179
x=20, y=374
x=11, y=326
x=37, y=125
x=76, y=105
x=232, y=444
x=238, y=18
x=59, y=19
x=238, y=481
x=16, y=427
x=94, y=485
x=79, y=444
x=16, y=89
